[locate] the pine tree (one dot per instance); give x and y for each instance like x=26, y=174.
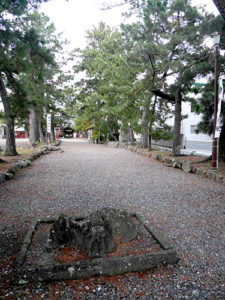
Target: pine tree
x=181, y=31
x=104, y=95
x=12, y=51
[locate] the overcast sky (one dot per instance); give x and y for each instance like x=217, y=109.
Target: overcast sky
x=74, y=17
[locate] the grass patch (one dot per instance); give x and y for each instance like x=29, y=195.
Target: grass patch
x=162, y=153
x=22, y=151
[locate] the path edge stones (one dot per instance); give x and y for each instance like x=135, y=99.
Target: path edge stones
x=24, y=163
x=168, y=161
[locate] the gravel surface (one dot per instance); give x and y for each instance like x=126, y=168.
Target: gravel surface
x=189, y=209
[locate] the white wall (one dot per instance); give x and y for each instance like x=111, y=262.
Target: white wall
x=193, y=119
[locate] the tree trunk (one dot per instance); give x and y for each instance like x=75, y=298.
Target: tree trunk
x=10, y=149
x=144, y=125
x=177, y=123
x=131, y=135
x=42, y=138
x=151, y=124
x=52, y=134
x=112, y=135
x=26, y=129
x=33, y=126
x=124, y=134
x=222, y=143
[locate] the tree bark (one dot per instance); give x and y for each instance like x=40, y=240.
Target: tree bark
x=151, y=124
x=144, y=125
x=33, y=126
x=177, y=123
x=42, y=138
x=26, y=129
x=131, y=135
x=10, y=149
x=52, y=134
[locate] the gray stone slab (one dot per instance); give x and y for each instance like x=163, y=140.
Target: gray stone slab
x=97, y=266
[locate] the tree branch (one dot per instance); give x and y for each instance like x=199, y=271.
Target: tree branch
x=163, y=95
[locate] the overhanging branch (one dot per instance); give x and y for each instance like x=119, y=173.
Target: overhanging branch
x=163, y=95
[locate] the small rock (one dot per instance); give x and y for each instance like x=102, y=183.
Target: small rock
x=13, y=168
x=2, y=177
x=167, y=164
x=199, y=171
x=175, y=164
x=195, y=293
x=53, y=148
x=23, y=163
x=9, y=176
x=186, y=166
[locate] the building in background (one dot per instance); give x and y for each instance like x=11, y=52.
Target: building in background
x=189, y=125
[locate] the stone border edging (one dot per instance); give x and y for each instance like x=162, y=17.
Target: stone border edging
x=23, y=163
x=164, y=243
x=97, y=266
x=168, y=161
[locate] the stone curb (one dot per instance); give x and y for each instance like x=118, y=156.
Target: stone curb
x=158, y=236
x=23, y=163
x=184, y=165
x=97, y=266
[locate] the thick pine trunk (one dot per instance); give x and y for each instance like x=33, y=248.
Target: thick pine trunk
x=144, y=129
x=131, y=135
x=177, y=123
x=52, y=134
x=42, y=138
x=33, y=126
x=26, y=129
x=10, y=149
x=222, y=143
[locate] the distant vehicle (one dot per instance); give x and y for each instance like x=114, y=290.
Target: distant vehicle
x=68, y=132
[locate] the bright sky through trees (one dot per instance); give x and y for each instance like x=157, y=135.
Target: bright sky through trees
x=74, y=17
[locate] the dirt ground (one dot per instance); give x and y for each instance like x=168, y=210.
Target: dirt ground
x=23, y=153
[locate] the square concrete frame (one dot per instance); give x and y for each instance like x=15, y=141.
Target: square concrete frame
x=97, y=266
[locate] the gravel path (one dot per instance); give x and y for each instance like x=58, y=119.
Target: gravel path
x=189, y=209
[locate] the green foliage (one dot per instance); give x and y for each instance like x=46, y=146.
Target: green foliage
x=95, y=134
x=106, y=96
x=165, y=133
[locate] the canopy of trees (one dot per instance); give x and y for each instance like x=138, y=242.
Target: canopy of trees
x=138, y=76
x=30, y=75
x=131, y=79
